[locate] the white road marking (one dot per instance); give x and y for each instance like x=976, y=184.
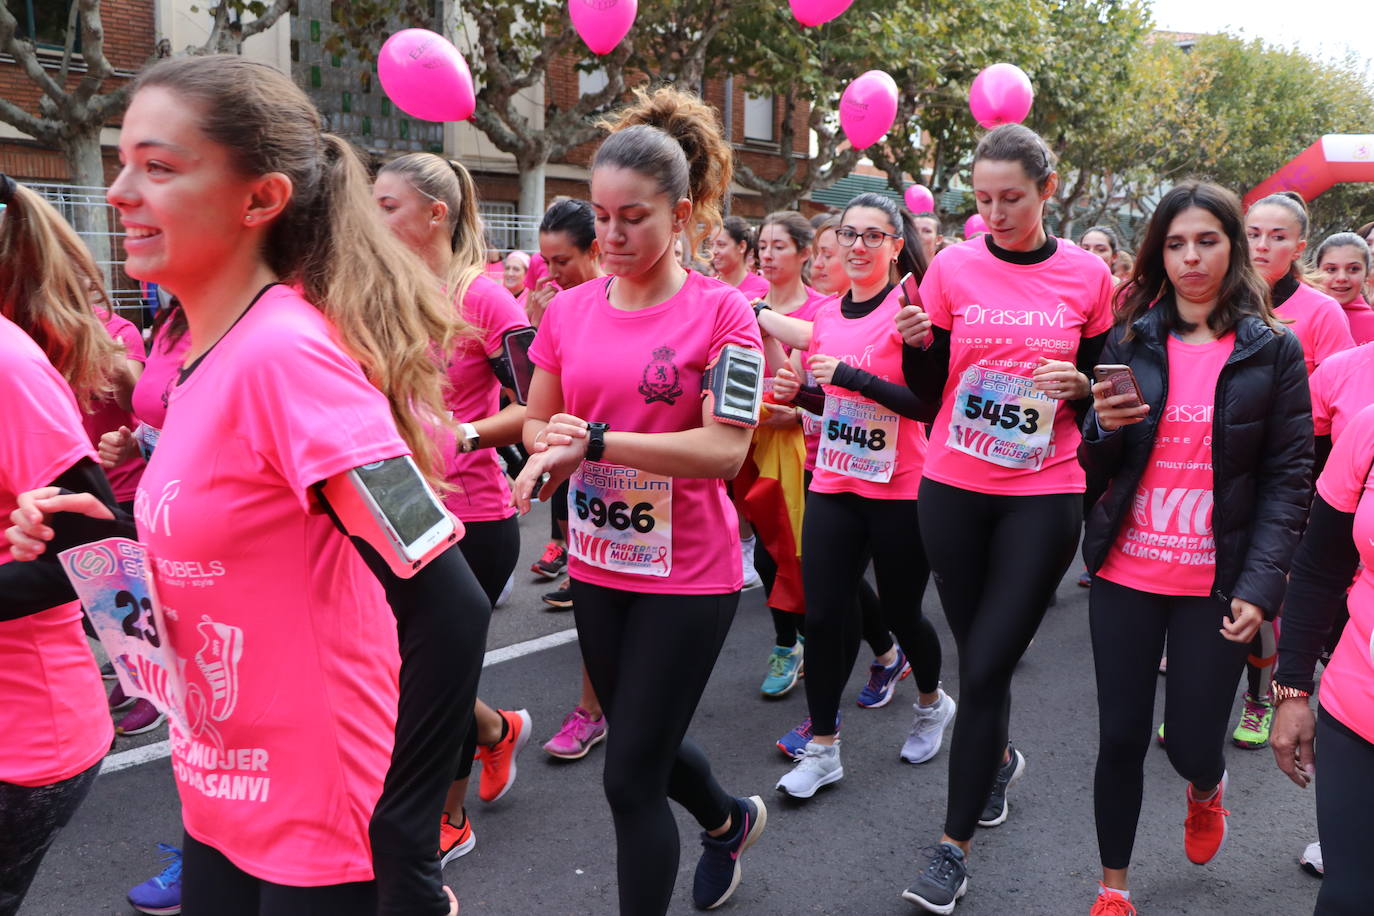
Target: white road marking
x=138, y=756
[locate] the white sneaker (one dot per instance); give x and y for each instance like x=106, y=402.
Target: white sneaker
x=746, y=555
x=928, y=729
x=819, y=765
x=506, y=590
x=1311, y=859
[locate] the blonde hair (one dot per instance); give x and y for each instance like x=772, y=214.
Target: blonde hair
x=676, y=138
x=378, y=295
x=47, y=281
x=449, y=183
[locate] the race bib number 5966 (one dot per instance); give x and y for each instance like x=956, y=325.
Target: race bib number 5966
x=1001, y=419
x=621, y=519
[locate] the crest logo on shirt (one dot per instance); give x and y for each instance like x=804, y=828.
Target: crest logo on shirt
x=660, y=381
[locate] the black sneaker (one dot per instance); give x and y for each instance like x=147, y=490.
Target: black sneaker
x=943, y=882
x=995, y=811
x=561, y=597
x=718, y=868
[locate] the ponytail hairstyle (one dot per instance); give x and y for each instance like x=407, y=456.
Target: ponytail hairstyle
x=1017, y=143
x=1292, y=202
x=739, y=231
x=798, y=229
x=675, y=138
x=574, y=217
x=912, y=258
x=449, y=183
x=378, y=295
x=1243, y=291
x=47, y=282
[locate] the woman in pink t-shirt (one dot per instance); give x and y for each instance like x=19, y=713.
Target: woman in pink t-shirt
x=1185, y=546
x=1008, y=325
x=334, y=695
x=430, y=203
x=647, y=449
x=1339, y=540
x=732, y=245
x=52, y=701
x=1343, y=268
x=862, y=497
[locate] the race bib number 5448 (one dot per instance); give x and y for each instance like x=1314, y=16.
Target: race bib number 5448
x=1001, y=419
x=621, y=519
x=858, y=439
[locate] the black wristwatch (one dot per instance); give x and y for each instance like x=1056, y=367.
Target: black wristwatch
x=759, y=306
x=596, y=440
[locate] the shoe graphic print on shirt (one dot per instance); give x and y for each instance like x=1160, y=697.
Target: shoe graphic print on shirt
x=660, y=382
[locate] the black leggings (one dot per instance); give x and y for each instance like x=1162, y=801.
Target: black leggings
x=649, y=758
x=1345, y=809
x=492, y=549
x=218, y=887
x=839, y=533
x=787, y=626
x=558, y=512
x=997, y=561
x=1129, y=628
x=30, y=819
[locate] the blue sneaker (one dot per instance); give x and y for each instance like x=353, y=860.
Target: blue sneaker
x=718, y=868
x=794, y=742
x=161, y=895
x=882, y=682
x=784, y=667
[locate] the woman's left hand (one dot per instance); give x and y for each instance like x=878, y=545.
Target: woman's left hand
x=823, y=368
x=1060, y=380
x=1244, y=622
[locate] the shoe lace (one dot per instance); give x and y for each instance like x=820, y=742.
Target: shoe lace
x=804, y=730
x=1252, y=716
x=777, y=663
x=171, y=873
x=878, y=676
x=551, y=552
x=941, y=864
x=1200, y=810
x=1113, y=905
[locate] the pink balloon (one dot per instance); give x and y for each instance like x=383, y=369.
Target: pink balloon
x=817, y=12
x=919, y=199
x=602, y=23
x=1001, y=94
x=974, y=225
x=426, y=77
x=868, y=107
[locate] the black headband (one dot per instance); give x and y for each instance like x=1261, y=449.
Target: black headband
x=7, y=188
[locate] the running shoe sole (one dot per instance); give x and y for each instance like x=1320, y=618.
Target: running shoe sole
x=827, y=779
x=459, y=851
x=585, y=749
x=754, y=833
x=1006, y=805
x=157, y=910
x=942, y=909
x=525, y=726
x=127, y=732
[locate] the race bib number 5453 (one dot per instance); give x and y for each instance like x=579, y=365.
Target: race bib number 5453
x=1001, y=419
x=621, y=519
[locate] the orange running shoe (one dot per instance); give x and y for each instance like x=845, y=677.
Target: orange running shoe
x=455, y=841
x=498, y=760
x=1204, y=830
x=1110, y=903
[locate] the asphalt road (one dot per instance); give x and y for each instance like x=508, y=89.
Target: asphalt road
x=548, y=848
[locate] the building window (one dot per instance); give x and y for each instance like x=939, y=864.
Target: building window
x=501, y=224
x=758, y=118
x=44, y=22
x=592, y=83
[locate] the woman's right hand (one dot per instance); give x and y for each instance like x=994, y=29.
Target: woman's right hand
x=1111, y=416
x=116, y=448
x=539, y=298
x=786, y=384
x=30, y=534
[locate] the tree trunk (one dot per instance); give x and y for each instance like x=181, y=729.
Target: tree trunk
x=92, y=220
x=531, y=200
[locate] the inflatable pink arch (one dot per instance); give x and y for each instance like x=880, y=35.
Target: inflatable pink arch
x=1333, y=159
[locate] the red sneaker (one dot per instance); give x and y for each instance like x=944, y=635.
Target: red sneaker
x=1204, y=830
x=498, y=760
x=1111, y=903
x=552, y=563
x=455, y=841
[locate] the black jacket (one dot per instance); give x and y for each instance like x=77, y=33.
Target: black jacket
x=1261, y=455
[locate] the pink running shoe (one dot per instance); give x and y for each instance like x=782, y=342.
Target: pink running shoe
x=579, y=734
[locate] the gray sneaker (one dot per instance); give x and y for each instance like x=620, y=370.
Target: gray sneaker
x=942, y=883
x=996, y=809
x=928, y=729
x=819, y=765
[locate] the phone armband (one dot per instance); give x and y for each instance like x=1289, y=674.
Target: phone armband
x=389, y=505
x=734, y=385
x=512, y=365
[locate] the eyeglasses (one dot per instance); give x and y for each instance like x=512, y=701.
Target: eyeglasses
x=847, y=236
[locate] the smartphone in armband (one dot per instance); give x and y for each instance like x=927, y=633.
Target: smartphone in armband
x=512, y=366
x=389, y=505
x=911, y=290
x=1122, y=380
